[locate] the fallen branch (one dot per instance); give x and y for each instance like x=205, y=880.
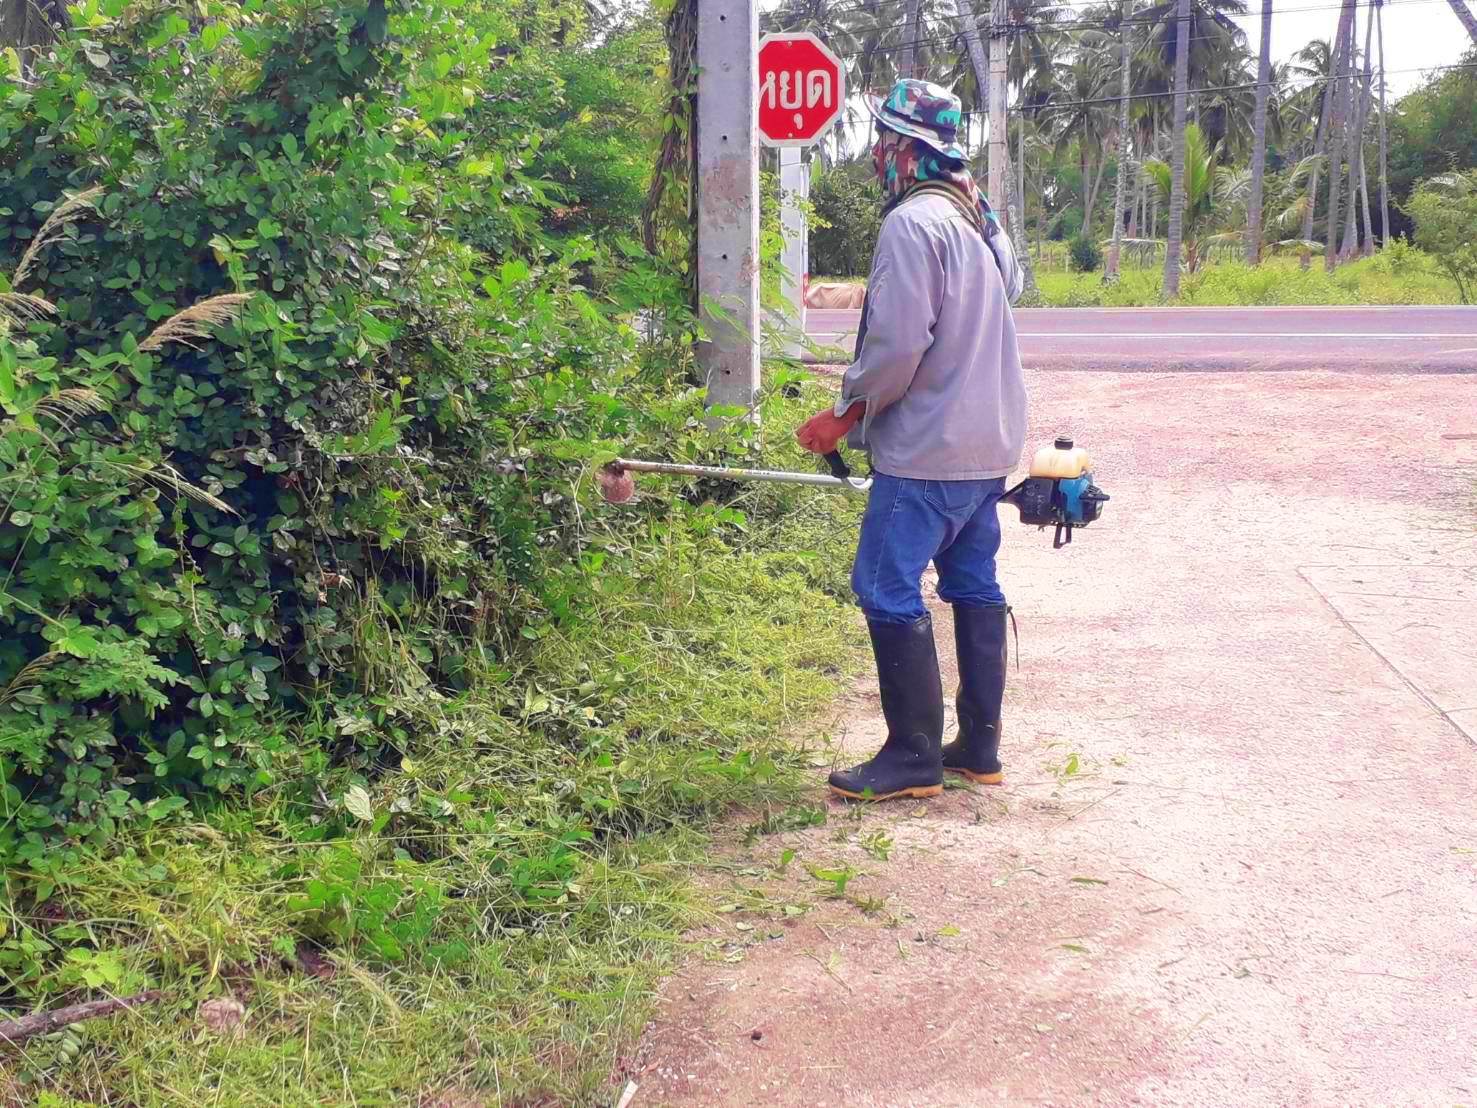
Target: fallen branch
x=43, y=1023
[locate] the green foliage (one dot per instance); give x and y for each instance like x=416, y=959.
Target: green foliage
x=1087, y=256
x=325, y=675
x=353, y=487
x=530, y=834
x=1397, y=275
x=1433, y=130
x=1445, y=211
x=847, y=200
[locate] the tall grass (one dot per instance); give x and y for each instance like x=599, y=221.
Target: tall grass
x=1397, y=276
x=495, y=925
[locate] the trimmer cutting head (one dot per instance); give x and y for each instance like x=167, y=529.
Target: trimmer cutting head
x=616, y=483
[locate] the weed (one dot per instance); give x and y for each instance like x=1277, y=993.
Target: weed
x=878, y=844
x=797, y=817
x=838, y=877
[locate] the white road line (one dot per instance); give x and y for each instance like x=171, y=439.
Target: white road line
x=1425, y=336
x=1235, y=335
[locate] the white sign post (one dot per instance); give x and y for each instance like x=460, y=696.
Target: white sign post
x=802, y=92
x=794, y=189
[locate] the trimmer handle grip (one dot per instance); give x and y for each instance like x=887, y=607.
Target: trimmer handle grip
x=838, y=465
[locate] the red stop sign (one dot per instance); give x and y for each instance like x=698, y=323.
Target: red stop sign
x=802, y=89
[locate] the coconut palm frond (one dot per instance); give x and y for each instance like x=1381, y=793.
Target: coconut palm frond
x=1294, y=246
x=166, y=476
x=194, y=323
x=1304, y=169
x=68, y=211
x=19, y=308
x=1291, y=217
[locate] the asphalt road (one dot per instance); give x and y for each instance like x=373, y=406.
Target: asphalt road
x=1400, y=339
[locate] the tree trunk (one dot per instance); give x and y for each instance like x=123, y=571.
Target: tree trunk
x=908, y=55
x=1379, y=20
x=1177, y=164
x=28, y=25
x=1259, y=142
x=1020, y=160
x=1017, y=229
x=1365, y=102
x=1341, y=66
x=1092, y=196
x=1469, y=21
x=1358, y=101
x=1320, y=140
x=1123, y=150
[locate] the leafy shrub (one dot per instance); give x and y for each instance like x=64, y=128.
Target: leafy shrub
x=1445, y=211
x=1087, y=256
x=353, y=498
x=847, y=200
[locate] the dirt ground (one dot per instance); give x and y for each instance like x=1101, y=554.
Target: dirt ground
x=1235, y=857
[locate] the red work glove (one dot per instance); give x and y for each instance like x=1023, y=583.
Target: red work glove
x=821, y=432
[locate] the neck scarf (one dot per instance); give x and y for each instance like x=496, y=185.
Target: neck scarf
x=904, y=162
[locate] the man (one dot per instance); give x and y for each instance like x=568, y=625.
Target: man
x=936, y=396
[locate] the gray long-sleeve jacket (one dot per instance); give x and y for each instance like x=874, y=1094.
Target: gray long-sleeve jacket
x=937, y=360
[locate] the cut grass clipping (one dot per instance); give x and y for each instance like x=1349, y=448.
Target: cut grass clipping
x=487, y=918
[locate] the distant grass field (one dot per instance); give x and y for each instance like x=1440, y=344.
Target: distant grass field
x=1400, y=275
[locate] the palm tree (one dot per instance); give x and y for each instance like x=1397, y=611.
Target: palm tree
x=885, y=44
x=1125, y=140
x=1319, y=60
x=1345, y=57
x=1351, y=238
x=1208, y=189
x=1015, y=217
x=1083, y=123
x=1379, y=19
x=907, y=58
x=1469, y=21
x=1259, y=141
x=1177, y=147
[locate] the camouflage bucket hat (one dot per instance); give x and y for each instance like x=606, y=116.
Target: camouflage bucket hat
x=921, y=110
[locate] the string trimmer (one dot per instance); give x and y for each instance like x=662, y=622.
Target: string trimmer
x=1059, y=491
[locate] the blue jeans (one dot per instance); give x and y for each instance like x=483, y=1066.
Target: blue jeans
x=910, y=523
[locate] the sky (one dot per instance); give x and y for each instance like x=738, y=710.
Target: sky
x=1418, y=34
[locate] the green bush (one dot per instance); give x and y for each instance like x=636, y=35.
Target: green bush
x=356, y=495
x=1445, y=211
x=847, y=200
x=1087, y=256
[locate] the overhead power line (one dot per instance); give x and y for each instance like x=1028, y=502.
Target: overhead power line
x=878, y=9
x=1052, y=105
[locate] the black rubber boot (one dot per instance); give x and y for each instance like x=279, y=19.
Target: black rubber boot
x=979, y=643
x=913, y=705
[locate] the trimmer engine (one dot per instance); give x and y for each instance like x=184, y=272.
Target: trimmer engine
x=1059, y=491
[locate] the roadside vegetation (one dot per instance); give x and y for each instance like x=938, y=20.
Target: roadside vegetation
x=1400, y=274
x=340, y=719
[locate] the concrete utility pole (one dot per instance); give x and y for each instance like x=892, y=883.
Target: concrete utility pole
x=995, y=184
x=728, y=199
x=794, y=187
x=907, y=59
